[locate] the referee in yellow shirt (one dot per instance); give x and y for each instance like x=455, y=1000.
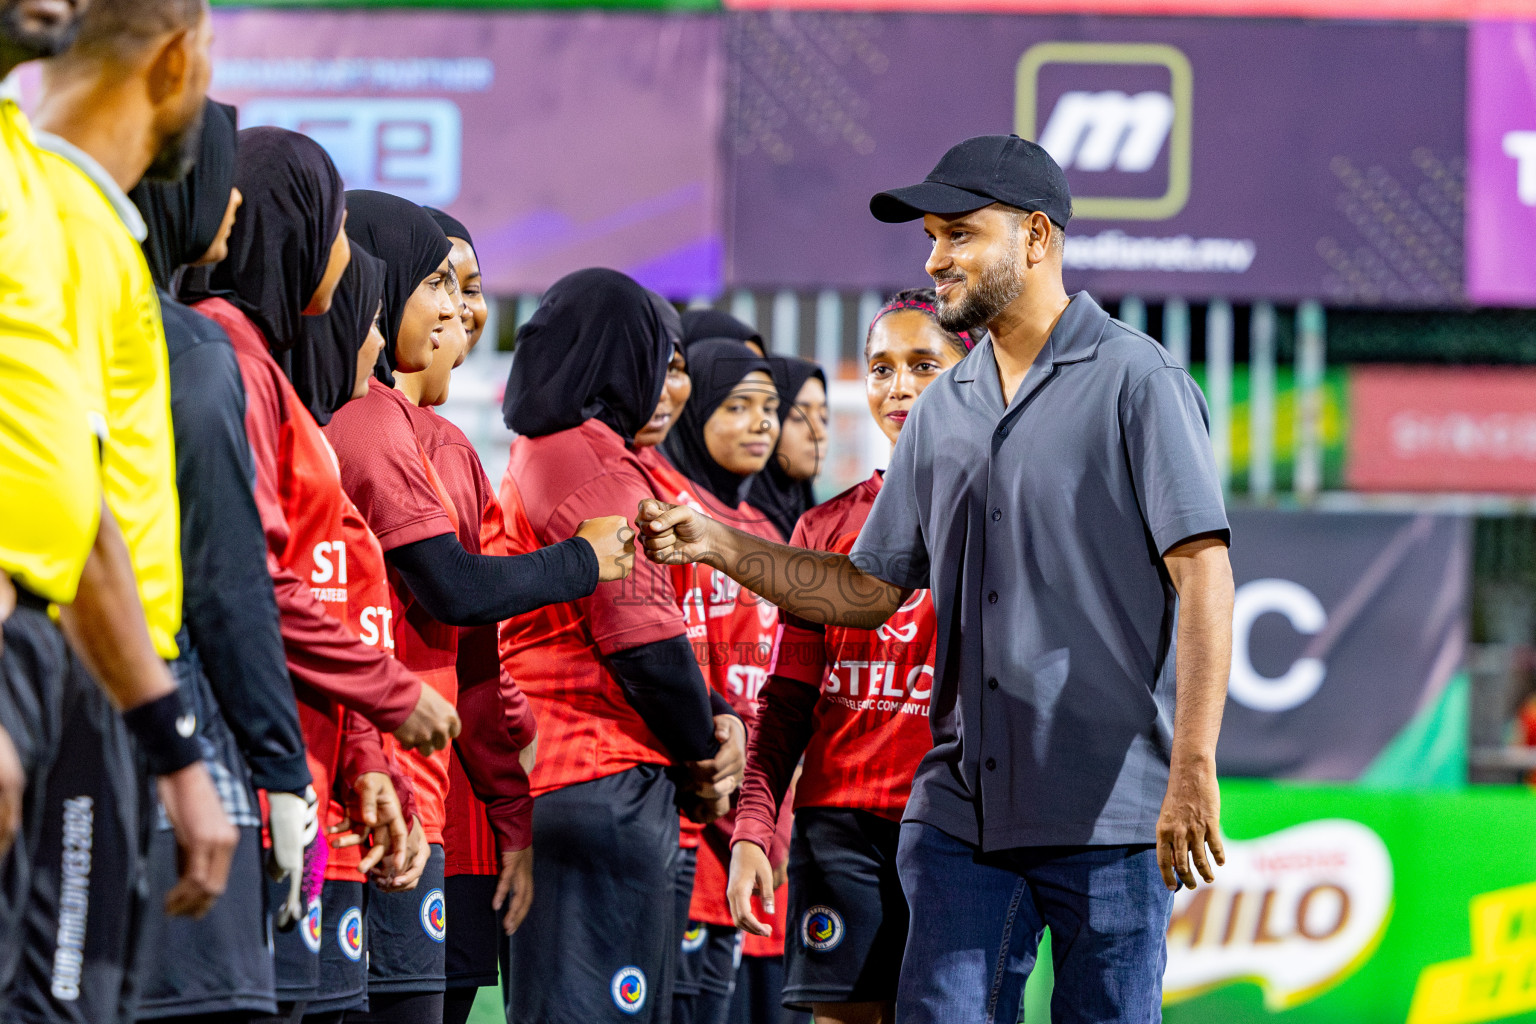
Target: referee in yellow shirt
x=59, y=544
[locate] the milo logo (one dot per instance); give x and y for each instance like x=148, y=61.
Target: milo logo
x=1296, y=911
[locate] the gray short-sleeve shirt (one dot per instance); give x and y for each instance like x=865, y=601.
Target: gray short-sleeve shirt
x=1040, y=529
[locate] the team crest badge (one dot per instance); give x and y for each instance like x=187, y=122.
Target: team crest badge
x=767, y=612
x=628, y=989
x=310, y=926
x=349, y=934
x=693, y=938
x=821, y=929
x=434, y=915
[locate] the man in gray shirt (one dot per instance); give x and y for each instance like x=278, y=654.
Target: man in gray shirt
x=1056, y=492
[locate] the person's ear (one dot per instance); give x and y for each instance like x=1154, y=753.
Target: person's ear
x=1038, y=230
x=170, y=68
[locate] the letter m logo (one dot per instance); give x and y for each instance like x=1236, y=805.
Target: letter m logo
x=1120, y=131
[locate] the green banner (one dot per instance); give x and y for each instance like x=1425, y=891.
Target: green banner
x=1334, y=425
x=1345, y=905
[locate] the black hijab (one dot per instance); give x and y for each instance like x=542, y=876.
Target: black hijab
x=324, y=369
x=283, y=233
x=774, y=492
x=596, y=348
x=411, y=245
x=712, y=323
x=184, y=216
x=451, y=226
x=716, y=366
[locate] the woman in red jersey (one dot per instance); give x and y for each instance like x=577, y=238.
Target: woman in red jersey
x=488, y=819
x=328, y=372
x=854, y=703
x=287, y=254
x=437, y=586
x=723, y=439
x=625, y=717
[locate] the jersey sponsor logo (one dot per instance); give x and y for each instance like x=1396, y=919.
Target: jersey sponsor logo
x=434, y=915
x=693, y=938
x=310, y=928
x=628, y=989
x=349, y=934
x=374, y=627
x=74, y=898
x=821, y=929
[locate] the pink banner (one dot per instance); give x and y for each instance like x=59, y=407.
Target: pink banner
x=1442, y=429
x=1501, y=164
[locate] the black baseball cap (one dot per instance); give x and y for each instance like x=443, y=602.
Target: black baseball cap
x=978, y=172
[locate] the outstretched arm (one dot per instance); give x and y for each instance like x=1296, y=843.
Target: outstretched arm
x=818, y=586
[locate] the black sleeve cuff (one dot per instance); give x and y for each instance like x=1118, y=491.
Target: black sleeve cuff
x=287, y=774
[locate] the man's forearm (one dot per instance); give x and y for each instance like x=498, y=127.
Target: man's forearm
x=1204, y=657
x=819, y=586
x=105, y=624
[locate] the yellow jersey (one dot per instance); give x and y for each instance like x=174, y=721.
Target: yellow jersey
x=50, y=491
x=113, y=312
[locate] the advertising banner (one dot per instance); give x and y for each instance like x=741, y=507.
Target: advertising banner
x=1346, y=905
x=1248, y=159
x=1416, y=10
x=561, y=141
x=1442, y=428
x=1347, y=643
x=1501, y=163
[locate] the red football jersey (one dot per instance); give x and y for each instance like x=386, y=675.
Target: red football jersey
x=493, y=744
x=587, y=729
x=864, y=732
x=386, y=473
x=732, y=631
x=328, y=573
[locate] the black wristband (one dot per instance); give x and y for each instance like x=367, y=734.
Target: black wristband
x=167, y=733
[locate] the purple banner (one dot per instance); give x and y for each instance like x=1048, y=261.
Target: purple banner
x=562, y=140
x=1255, y=159
x=1501, y=163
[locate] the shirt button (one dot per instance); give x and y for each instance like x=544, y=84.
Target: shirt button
x=992, y=597
x=1002, y=431
x=991, y=764
x=991, y=684
x=997, y=514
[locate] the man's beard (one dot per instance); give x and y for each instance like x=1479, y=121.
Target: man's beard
x=178, y=153
x=19, y=43
x=997, y=287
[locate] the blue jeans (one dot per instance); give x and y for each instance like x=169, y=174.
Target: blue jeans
x=977, y=920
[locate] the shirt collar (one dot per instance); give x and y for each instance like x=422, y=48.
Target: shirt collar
x=1074, y=339
x=10, y=87
x=126, y=211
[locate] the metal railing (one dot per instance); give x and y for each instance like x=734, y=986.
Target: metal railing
x=830, y=326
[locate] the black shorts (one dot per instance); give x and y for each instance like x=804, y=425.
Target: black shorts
x=713, y=953
x=343, y=983
x=221, y=963
x=407, y=932
x=34, y=676
x=847, y=918
x=600, y=942
x=474, y=941
x=88, y=886
x=296, y=949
